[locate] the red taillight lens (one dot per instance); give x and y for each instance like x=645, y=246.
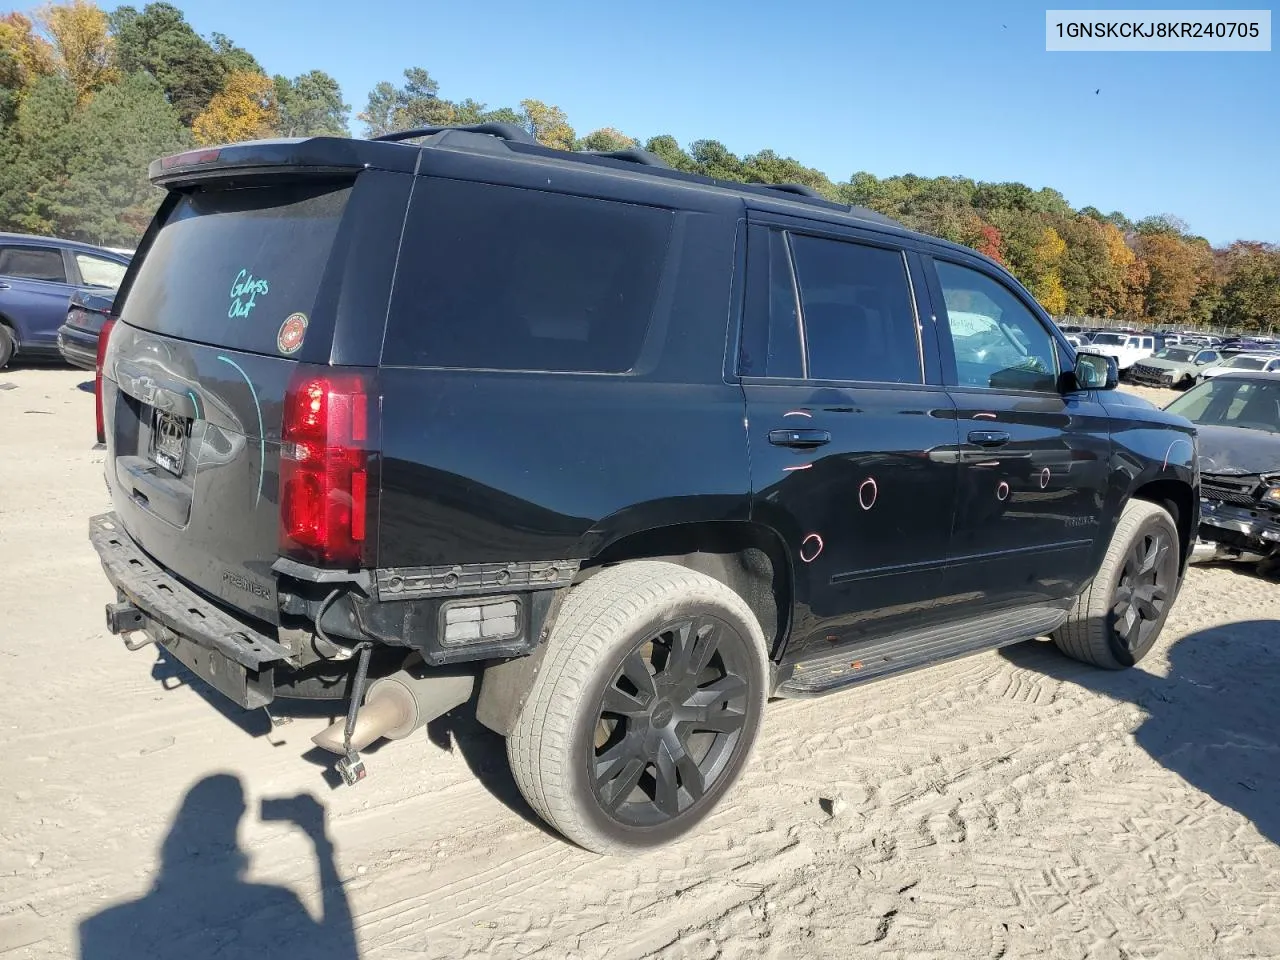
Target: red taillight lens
x=103, y=335
x=325, y=489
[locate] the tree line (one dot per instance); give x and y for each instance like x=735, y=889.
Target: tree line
x=89, y=97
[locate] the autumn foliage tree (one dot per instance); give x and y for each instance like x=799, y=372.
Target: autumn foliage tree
x=82, y=47
x=548, y=124
x=1175, y=271
x=245, y=109
x=25, y=57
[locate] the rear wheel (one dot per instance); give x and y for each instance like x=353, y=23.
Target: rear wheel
x=1117, y=620
x=6, y=346
x=645, y=709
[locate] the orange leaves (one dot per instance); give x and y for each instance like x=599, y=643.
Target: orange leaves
x=1047, y=286
x=83, y=48
x=548, y=124
x=245, y=109
x=25, y=56
x=1176, y=270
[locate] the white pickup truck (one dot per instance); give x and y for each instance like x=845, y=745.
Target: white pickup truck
x=1127, y=348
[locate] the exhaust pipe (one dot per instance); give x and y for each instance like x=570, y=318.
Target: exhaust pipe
x=396, y=706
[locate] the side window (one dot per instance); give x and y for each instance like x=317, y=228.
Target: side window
x=504, y=278
x=771, y=321
x=33, y=263
x=97, y=272
x=859, y=321
x=1208, y=356
x=999, y=343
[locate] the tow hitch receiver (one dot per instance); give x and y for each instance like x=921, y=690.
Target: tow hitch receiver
x=124, y=617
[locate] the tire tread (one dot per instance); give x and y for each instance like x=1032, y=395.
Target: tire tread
x=593, y=622
x=1084, y=636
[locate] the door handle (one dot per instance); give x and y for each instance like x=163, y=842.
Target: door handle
x=4, y=286
x=988, y=438
x=799, y=437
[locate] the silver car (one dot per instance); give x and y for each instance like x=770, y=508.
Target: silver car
x=1177, y=367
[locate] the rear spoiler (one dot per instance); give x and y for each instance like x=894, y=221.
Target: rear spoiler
x=306, y=155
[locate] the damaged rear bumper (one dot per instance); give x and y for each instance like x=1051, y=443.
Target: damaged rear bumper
x=231, y=655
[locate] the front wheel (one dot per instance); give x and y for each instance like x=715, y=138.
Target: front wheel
x=645, y=709
x=6, y=346
x=1117, y=620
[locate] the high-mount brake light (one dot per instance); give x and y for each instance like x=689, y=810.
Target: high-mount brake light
x=325, y=494
x=189, y=158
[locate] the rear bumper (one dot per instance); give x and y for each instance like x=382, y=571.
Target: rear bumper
x=78, y=347
x=230, y=654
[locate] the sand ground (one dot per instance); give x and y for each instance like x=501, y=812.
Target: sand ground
x=1013, y=804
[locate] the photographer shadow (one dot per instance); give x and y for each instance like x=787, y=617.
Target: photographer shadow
x=1214, y=719
x=200, y=904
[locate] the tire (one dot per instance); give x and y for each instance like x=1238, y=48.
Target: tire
x=621, y=634
x=1095, y=632
x=6, y=346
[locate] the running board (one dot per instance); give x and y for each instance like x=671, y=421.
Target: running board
x=869, y=659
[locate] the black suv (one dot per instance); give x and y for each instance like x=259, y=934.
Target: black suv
x=611, y=453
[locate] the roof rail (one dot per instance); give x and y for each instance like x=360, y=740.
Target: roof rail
x=503, y=131
x=516, y=135
x=631, y=155
x=866, y=213
x=797, y=188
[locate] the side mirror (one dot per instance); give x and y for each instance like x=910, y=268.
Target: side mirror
x=1096, y=372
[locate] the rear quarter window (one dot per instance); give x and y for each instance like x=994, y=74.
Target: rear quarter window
x=230, y=266
x=506, y=278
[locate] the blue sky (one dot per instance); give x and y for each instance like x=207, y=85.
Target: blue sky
x=931, y=88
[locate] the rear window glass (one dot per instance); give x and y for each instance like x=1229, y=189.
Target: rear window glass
x=504, y=278
x=230, y=266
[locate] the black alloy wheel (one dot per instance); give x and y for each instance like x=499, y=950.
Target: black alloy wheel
x=669, y=721
x=1145, y=589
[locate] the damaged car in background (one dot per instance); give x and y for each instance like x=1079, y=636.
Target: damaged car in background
x=1237, y=417
x=1176, y=367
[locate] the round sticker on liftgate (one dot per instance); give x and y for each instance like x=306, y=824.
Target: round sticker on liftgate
x=292, y=332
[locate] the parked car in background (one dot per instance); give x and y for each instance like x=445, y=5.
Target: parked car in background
x=1201, y=340
x=78, y=336
x=1176, y=367
x=1237, y=418
x=38, y=275
x=1126, y=348
x=1077, y=340
x=1263, y=362
x=1234, y=345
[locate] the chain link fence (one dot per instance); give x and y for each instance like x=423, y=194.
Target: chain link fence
x=1115, y=323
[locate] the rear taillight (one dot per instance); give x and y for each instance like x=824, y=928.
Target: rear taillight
x=103, y=335
x=326, y=492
